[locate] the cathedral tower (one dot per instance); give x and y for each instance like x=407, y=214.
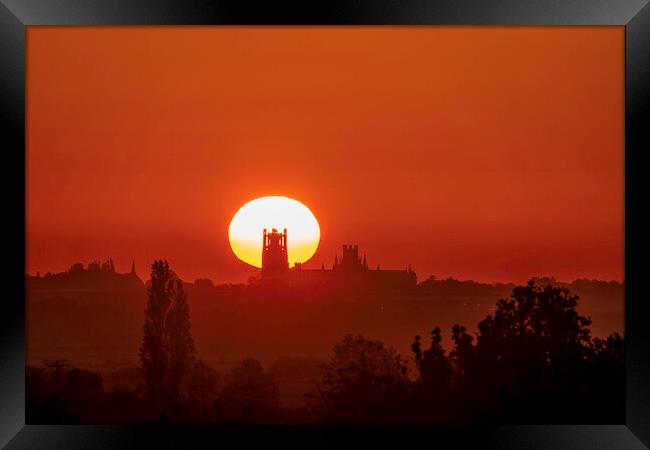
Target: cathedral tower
x=275, y=260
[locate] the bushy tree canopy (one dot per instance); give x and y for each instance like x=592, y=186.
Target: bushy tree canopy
x=363, y=382
x=250, y=395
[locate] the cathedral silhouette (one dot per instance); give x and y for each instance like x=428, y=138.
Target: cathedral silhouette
x=350, y=271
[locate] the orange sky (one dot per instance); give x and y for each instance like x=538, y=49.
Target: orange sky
x=491, y=153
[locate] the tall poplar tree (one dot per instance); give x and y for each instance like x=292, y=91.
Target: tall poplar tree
x=167, y=350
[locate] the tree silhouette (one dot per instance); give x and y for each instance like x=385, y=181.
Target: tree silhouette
x=532, y=361
x=529, y=358
x=607, y=380
x=200, y=391
x=251, y=394
x=58, y=393
x=431, y=400
x=433, y=366
x=363, y=382
x=167, y=350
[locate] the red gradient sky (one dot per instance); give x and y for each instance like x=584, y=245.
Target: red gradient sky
x=490, y=153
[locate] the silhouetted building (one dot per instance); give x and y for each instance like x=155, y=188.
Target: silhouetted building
x=353, y=271
x=350, y=272
x=97, y=276
x=350, y=260
x=275, y=260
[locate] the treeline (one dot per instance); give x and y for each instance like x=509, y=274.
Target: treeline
x=58, y=393
x=532, y=361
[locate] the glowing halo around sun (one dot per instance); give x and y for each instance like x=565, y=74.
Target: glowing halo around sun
x=245, y=231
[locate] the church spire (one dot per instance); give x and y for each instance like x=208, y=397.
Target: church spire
x=133, y=268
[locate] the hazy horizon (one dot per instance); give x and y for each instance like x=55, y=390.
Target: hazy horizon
x=143, y=271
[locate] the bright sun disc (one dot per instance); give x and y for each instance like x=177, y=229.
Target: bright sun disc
x=245, y=231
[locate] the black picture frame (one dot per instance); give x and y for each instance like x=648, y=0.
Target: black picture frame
x=634, y=15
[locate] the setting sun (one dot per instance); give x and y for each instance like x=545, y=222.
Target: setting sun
x=245, y=231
